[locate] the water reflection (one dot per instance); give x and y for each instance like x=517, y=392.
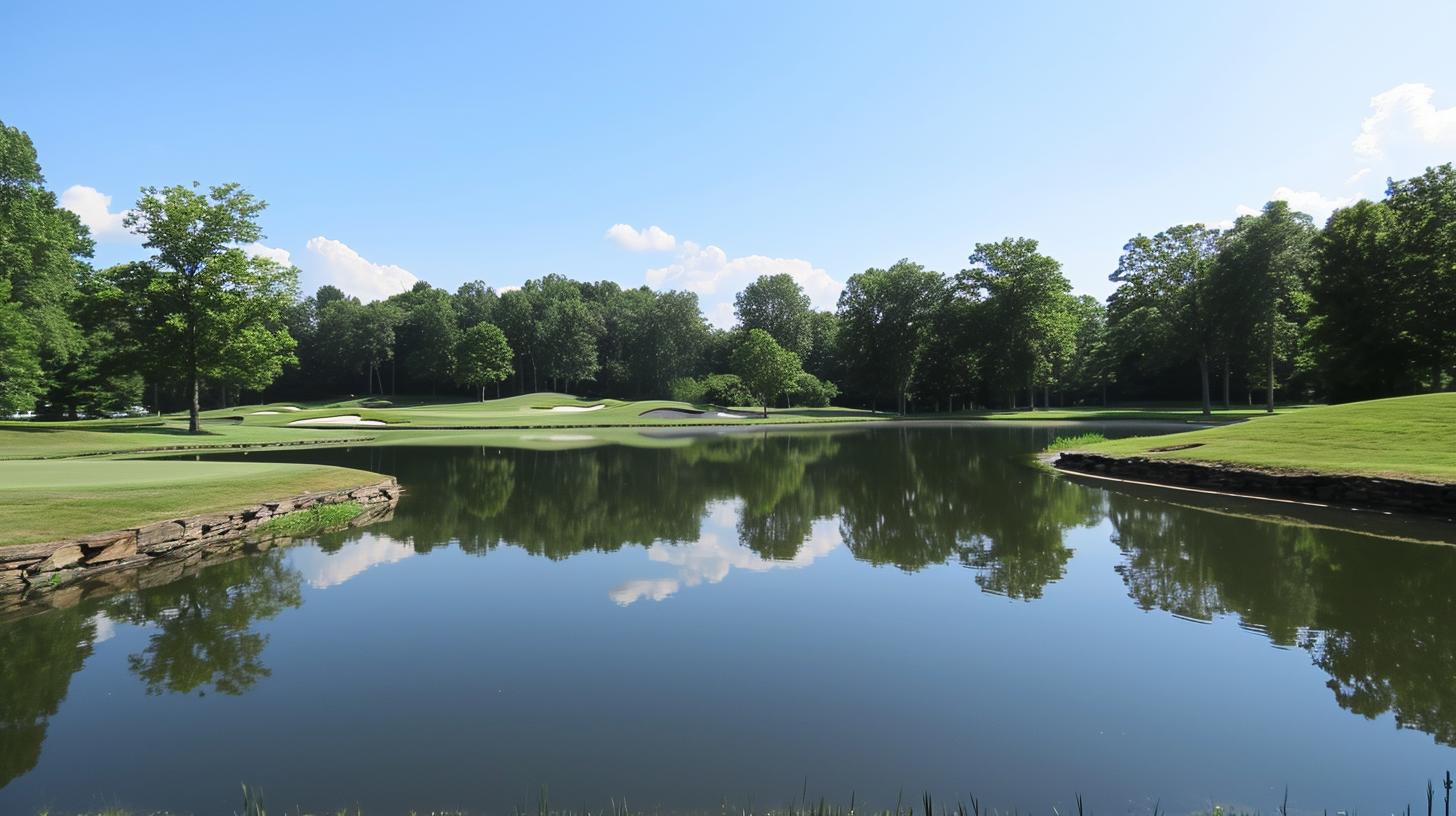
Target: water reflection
x=1371, y=614
x=1375, y=615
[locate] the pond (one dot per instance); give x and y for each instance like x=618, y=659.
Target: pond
x=683, y=619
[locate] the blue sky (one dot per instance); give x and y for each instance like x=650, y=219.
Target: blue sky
x=495, y=142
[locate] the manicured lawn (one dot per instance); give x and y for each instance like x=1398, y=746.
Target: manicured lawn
x=1403, y=436
x=52, y=440
x=530, y=411
x=45, y=500
x=1150, y=413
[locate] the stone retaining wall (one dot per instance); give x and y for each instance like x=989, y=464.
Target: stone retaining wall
x=31, y=567
x=1363, y=492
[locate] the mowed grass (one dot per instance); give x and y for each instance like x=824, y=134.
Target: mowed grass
x=1146, y=413
x=1402, y=436
x=53, y=440
x=526, y=411
x=47, y=500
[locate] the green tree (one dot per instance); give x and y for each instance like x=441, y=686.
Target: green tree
x=1360, y=316
x=1024, y=301
x=1259, y=283
x=474, y=303
x=427, y=335
x=41, y=252
x=766, y=368
x=484, y=357
x=884, y=320
x=200, y=296
x=777, y=304
x=1162, y=312
x=1426, y=208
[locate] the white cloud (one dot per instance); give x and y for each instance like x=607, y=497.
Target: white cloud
x=326, y=569
x=652, y=239
x=709, y=271
x=712, y=557
x=261, y=250
x=1402, y=112
x=1315, y=204
x=1357, y=175
x=356, y=275
x=93, y=207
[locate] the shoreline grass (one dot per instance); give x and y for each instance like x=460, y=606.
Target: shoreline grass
x=50, y=500
x=1399, y=437
x=313, y=520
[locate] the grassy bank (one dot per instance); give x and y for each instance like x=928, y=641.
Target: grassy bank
x=44, y=501
x=1401, y=437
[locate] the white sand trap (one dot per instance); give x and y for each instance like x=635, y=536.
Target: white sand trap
x=350, y=419
x=264, y=413
x=680, y=413
x=561, y=438
x=576, y=409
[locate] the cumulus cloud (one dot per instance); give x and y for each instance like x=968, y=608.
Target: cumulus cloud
x=260, y=250
x=1316, y=204
x=651, y=239
x=707, y=270
x=1357, y=175
x=717, y=553
x=1401, y=113
x=355, y=274
x=93, y=207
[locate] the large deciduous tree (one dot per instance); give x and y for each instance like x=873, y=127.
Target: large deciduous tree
x=1259, y=281
x=766, y=368
x=1025, y=303
x=41, y=252
x=1161, y=313
x=201, y=301
x=1426, y=208
x=884, y=320
x=777, y=304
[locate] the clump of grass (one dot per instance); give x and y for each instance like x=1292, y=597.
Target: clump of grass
x=312, y=520
x=1062, y=443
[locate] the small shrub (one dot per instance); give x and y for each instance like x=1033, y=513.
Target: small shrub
x=375, y=403
x=1062, y=443
x=811, y=392
x=314, y=519
x=687, y=389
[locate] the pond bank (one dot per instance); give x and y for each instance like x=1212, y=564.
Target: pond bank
x=1379, y=493
x=32, y=568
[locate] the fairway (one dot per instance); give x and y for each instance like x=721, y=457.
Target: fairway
x=1402, y=436
x=44, y=501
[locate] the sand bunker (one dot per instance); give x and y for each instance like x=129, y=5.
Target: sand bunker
x=576, y=409
x=561, y=438
x=263, y=413
x=351, y=419
x=678, y=413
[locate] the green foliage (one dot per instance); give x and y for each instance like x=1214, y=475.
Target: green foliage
x=777, y=304
x=884, y=321
x=714, y=389
x=201, y=307
x=483, y=357
x=315, y=519
x=766, y=368
x=1025, y=305
x=1074, y=441
x=811, y=392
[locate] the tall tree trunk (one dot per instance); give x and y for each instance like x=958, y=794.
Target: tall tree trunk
x=194, y=421
x=1226, y=377
x=1104, y=393
x=1270, y=400
x=1030, y=393
x=1203, y=381
x=1046, y=396
x=1436, y=373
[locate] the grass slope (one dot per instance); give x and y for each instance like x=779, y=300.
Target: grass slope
x=46, y=500
x=1402, y=436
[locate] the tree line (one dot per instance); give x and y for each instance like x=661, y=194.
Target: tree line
x=1274, y=307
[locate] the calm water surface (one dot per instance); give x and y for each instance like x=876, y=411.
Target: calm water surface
x=693, y=618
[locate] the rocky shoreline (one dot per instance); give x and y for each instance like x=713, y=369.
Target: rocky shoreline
x=1379, y=493
x=31, y=569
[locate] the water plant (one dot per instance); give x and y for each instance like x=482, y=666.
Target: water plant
x=311, y=520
